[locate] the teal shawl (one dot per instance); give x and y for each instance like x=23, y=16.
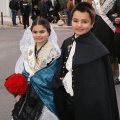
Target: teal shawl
x=42, y=84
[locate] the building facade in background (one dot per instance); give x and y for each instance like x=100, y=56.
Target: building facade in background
x=4, y=8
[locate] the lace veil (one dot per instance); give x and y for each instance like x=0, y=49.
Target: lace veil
x=28, y=39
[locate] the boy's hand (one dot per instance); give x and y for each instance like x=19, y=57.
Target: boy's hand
x=117, y=20
x=115, y=15
x=61, y=78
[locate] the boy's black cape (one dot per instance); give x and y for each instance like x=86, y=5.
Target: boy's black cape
x=94, y=91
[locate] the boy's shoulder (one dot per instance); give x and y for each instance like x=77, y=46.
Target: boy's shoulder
x=69, y=39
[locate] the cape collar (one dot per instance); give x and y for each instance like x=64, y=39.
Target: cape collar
x=81, y=37
x=88, y=48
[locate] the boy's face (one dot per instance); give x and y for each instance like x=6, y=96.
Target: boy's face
x=81, y=23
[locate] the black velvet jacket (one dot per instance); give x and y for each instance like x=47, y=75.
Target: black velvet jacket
x=94, y=92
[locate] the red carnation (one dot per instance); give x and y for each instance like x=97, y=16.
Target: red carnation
x=16, y=84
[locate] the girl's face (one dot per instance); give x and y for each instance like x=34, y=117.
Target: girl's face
x=81, y=23
x=40, y=34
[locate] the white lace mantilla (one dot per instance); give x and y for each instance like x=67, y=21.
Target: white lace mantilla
x=67, y=81
x=26, y=40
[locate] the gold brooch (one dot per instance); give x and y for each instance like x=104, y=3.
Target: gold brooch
x=69, y=47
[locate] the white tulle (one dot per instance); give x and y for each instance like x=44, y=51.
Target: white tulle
x=53, y=38
x=19, y=65
x=47, y=115
x=28, y=39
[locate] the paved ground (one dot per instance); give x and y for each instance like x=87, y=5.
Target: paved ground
x=9, y=47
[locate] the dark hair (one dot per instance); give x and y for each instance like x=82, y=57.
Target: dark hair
x=85, y=7
x=43, y=22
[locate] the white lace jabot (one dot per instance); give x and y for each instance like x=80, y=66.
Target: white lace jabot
x=67, y=81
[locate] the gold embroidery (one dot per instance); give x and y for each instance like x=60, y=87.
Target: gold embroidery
x=47, y=54
x=30, y=52
x=69, y=47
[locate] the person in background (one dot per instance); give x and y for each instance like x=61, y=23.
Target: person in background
x=56, y=10
x=34, y=16
x=106, y=33
x=90, y=1
x=35, y=8
x=43, y=9
x=38, y=63
x=83, y=85
x=31, y=8
x=25, y=11
x=19, y=12
x=14, y=8
x=49, y=4
x=67, y=11
x=115, y=16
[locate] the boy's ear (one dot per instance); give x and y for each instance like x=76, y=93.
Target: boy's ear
x=92, y=25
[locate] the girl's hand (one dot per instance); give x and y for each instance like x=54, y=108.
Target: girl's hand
x=17, y=98
x=61, y=78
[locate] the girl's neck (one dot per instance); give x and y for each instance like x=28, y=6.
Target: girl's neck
x=39, y=45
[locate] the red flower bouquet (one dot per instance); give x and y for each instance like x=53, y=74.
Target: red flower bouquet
x=16, y=84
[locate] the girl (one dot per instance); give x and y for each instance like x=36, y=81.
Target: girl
x=40, y=63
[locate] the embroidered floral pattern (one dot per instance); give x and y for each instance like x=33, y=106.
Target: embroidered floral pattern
x=45, y=56
x=69, y=47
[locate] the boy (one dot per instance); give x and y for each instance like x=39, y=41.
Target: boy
x=84, y=85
